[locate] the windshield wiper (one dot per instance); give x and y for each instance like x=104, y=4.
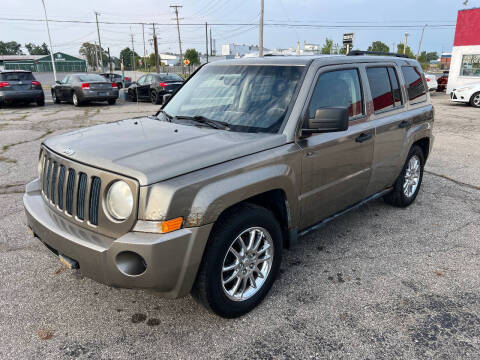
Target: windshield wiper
x=204, y=120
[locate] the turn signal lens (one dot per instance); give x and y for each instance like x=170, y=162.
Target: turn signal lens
x=171, y=225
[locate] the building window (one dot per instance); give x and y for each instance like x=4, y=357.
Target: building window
x=470, y=65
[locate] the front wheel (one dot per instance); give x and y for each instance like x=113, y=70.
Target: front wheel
x=407, y=185
x=55, y=98
x=241, y=261
x=111, y=101
x=475, y=100
x=154, y=97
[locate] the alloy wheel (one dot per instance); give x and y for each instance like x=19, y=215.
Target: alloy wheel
x=476, y=100
x=247, y=264
x=75, y=99
x=412, y=176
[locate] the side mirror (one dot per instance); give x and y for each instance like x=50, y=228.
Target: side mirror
x=166, y=98
x=329, y=119
x=58, y=82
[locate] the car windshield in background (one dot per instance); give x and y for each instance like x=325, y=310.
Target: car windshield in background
x=248, y=98
x=90, y=77
x=16, y=76
x=170, y=77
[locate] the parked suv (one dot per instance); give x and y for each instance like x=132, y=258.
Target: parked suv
x=248, y=155
x=19, y=86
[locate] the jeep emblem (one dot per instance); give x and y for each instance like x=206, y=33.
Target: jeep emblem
x=67, y=150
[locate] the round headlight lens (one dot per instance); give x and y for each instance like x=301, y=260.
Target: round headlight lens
x=120, y=200
x=40, y=167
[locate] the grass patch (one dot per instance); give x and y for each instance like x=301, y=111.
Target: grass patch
x=7, y=160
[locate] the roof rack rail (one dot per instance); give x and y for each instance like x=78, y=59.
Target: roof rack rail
x=362, y=52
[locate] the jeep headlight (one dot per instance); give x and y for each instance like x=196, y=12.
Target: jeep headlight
x=119, y=200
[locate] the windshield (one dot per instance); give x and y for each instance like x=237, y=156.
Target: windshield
x=247, y=98
x=90, y=77
x=16, y=76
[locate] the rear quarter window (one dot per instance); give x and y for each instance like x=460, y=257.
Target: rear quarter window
x=414, y=83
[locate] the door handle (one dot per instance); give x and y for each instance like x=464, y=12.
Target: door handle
x=404, y=124
x=363, y=137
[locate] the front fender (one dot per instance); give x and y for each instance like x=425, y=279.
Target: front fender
x=211, y=200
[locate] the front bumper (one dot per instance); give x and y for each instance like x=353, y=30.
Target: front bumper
x=9, y=97
x=462, y=96
x=172, y=259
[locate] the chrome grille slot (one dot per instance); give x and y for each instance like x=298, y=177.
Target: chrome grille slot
x=47, y=186
x=61, y=184
x=54, y=181
x=70, y=187
x=82, y=189
x=94, y=200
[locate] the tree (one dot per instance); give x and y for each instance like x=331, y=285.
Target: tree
x=327, y=48
x=432, y=56
x=408, y=52
x=126, y=57
x=90, y=52
x=378, y=46
x=10, y=48
x=37, y=49
x=193, y=56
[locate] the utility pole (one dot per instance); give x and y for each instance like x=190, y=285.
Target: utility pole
x=110, y=61
x=99, y=42
x=144, y=49
x=405, y=43
x=206, y=40
x=420, y=43
x=260, y=42
x=133, y=54
x=211, y=43
x=50, y=40
x=178, y=30
x=155, y=47
x=96, y=55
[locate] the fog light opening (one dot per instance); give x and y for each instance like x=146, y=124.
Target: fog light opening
x=130, y=263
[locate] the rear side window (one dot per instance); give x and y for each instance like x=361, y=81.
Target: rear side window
x=384, y=87
x=415, y=87
x=337, y=88
x=16, y=76
x=397, y=94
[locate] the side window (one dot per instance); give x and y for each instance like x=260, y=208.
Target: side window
x=413, y=81
x=66, y=80
x=338, y=88
x=148, y=79
x=397, y=94
x=380, y=88
x=141, y=81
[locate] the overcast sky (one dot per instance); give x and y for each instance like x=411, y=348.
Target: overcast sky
x=366, y=18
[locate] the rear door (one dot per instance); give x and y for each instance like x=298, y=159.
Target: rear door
x=391, y=120
x=336, y=166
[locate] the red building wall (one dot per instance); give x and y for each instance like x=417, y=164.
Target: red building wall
x=467, y=31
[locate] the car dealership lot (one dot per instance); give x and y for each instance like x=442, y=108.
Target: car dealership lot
x=380, y=282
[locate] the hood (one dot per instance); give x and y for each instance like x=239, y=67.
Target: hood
x=150, y=150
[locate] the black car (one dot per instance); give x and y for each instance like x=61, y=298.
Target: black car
x=83, y=88
x=20, y=86
x=118, y=79
x=153, y=86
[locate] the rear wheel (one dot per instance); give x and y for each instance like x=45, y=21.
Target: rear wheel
x=475, y=100
x=112, y=101
x=41, y=102
x=55, y=98
x=407, y=185
x=75, y=100
x=241, y=261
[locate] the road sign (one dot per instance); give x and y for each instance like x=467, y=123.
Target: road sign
x=348, y=39
x=186, y=62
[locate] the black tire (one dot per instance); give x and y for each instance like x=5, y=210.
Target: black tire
x=475, y=100
x=75, y=100
x=397, y=197
x=154, y=97
x=208, y=289
x=131, y=96
x=111, y=101
x=55, y=98
x=41, y=102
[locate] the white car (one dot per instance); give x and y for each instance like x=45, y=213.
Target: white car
x=431, y=81
x=467, y=94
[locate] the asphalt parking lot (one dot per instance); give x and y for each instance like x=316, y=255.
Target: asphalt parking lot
x=380, y=282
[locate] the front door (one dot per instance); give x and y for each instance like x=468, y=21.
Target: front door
x=144, y=88
x=336, y=166
x=65, y=90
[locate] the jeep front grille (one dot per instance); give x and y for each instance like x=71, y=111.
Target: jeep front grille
x=75, y=191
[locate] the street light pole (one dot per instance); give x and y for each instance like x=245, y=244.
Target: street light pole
x=405, y=43
x=99, y=42
x=50, y=41
x=420, y=43
x=260, y=45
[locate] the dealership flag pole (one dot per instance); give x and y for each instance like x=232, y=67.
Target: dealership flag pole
x=50, y=40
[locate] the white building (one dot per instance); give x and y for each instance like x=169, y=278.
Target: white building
x=465, y=63
x=169, y=59
x=238, y=50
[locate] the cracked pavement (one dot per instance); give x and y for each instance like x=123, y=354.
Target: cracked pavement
x=379, y=282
